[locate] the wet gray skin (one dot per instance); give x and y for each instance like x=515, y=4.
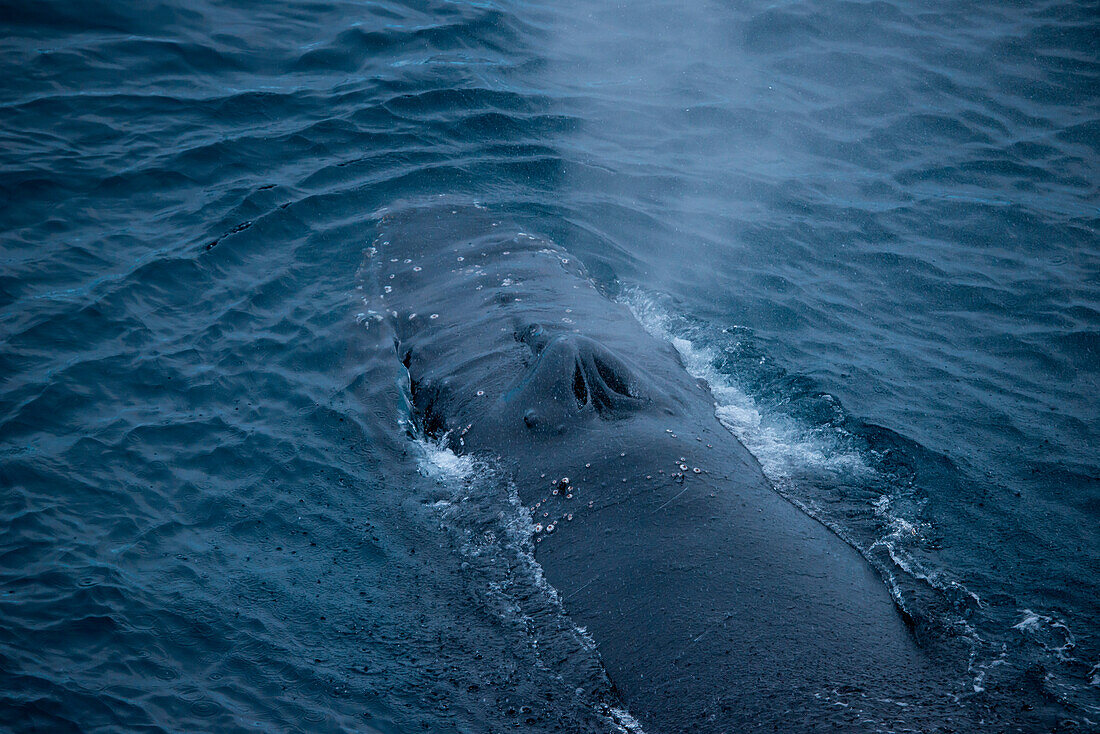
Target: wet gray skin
x=715, y=604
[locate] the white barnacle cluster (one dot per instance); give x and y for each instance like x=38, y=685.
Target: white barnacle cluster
x=682, y=467
x=548, y=512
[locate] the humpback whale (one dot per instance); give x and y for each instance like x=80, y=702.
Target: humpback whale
x=715, y=604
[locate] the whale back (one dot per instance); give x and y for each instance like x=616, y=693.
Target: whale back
x=716, y=605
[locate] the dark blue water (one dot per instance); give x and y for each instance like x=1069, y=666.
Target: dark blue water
x=872, y=226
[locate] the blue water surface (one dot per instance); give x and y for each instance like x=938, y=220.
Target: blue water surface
x=871, y=226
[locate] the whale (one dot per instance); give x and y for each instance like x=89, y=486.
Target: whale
x=715, y=604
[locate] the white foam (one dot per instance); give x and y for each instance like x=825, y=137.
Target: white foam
x=1031, y=622
x=441, y=463
x=1053, y=630
x=782, y=446
x=623, y=723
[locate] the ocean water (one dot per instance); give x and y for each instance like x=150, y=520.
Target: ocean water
x=870, y=226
